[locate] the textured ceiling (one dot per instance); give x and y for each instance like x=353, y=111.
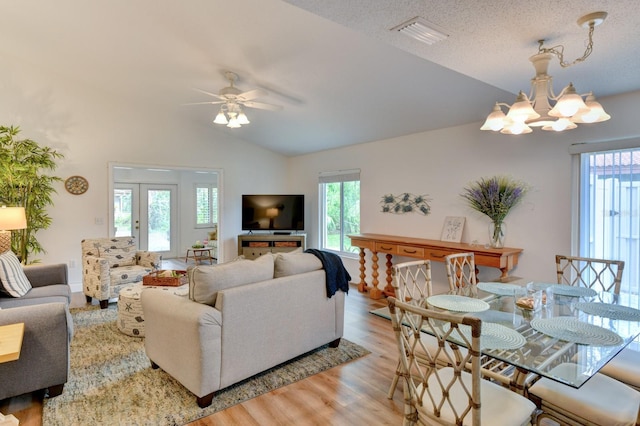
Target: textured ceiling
x=491, y=40
x=342, y=77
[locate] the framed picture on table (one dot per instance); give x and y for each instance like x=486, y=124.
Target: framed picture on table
x=452, y=229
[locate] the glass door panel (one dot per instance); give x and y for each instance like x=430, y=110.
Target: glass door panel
x=159, y=218
x=147, y=212
x=125, y=210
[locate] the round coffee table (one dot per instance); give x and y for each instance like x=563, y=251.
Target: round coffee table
x=130, y=318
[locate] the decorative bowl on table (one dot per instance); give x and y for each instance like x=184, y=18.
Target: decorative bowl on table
x=528, y=302
x=162, y=277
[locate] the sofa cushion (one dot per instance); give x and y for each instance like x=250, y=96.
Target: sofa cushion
x=53, y=290
x=295, y=263
x=205, y=281
x=14, y=281
x=14, y=302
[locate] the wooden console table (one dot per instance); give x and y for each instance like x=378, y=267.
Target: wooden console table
x=504, y=259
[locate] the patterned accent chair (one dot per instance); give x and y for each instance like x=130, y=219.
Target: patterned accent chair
x=109, y=264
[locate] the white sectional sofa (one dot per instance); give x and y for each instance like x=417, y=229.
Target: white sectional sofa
x=241, y=318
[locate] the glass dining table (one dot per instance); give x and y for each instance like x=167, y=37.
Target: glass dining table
x=538, y=326
x=539, y=329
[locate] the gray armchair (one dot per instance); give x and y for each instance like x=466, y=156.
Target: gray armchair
x=44, y=358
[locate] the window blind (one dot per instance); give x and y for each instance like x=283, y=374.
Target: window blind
x=339, y=176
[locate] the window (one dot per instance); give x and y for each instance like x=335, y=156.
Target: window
x=609, y=213
x=206, y=205
x=339, y=209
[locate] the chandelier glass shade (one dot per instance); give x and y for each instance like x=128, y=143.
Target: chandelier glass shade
x=536, y=110
x=231, y=114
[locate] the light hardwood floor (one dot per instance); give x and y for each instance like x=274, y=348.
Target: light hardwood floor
x=350, y=394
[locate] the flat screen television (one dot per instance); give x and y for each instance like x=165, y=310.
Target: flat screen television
x=272, y=212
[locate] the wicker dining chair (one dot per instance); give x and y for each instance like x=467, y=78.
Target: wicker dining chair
x=602, y=275
x=449, y=395
x=598, y=274
x=462, y=277
x=601, y=401
x=412, y=284
x=461, y=273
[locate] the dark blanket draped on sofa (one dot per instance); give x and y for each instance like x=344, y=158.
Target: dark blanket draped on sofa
x=337, y=276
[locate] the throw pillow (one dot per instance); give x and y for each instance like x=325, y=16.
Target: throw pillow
x=205, y=281
x=295, y=263
x=14, y=282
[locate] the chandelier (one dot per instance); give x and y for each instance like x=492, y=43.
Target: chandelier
x=536, y=110
x=232, y=115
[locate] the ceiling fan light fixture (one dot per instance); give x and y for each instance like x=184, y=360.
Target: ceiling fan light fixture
x=220, y=118
x=232, y=101
x=536, y=110
x=233, y=121
x=242, y=118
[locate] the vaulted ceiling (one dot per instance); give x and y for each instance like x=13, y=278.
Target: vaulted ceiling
x=340, y=74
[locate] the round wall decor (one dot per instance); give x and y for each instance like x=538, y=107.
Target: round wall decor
x=76, y=185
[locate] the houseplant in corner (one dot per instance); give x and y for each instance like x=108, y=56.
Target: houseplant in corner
x=25, y=183
x=495, y=197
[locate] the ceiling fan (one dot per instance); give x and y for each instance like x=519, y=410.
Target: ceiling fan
x=232, y=100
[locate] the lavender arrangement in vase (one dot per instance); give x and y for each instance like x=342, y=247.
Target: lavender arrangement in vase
x=495, y=197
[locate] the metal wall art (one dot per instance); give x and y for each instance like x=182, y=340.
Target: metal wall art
x=405, y=203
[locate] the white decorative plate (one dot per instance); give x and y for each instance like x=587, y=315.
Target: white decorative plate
x=608, y=310
x=502, y=289
x=572, y=330
x=570, y=290
x=452, y=302
x=495, y=336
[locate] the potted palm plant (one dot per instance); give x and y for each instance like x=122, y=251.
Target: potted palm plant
x=25, y=182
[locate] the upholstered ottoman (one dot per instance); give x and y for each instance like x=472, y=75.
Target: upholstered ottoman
x=130, y=319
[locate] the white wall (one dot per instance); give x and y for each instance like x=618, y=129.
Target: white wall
x=441, y=163
x=92, y=128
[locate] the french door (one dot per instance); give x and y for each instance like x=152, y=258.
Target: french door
x=149, y=213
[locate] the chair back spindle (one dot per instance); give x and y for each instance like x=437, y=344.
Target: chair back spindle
x=461, y=273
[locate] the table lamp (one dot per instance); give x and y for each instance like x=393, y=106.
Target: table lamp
x=10, y=218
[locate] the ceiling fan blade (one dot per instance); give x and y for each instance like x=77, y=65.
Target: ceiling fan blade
x=261, y=105
x=206, y=103
x=251, y=94
x=208, y=93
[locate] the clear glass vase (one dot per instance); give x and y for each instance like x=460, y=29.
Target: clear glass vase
x=497, y=232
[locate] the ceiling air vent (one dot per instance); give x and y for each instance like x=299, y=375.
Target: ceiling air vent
x=421, y=30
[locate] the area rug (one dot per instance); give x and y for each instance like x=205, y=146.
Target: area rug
x=112, y=382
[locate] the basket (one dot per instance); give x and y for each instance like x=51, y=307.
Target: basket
x=154, y=279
